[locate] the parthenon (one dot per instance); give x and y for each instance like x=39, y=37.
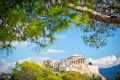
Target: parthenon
x=75, y=59
x=73, y=63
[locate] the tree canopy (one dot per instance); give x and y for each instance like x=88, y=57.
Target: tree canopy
x=90, y=63
x=38, y=21
x=117, y=77
x=32, y=71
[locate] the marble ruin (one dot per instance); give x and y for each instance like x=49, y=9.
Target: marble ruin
x=74, y=63
x=75, y=59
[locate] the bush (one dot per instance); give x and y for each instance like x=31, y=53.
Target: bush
x=32, y=71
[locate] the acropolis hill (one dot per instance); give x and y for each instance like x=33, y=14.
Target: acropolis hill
x=74, y=63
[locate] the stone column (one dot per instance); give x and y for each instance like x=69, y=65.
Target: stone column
x=73, y=60
x=81, y=60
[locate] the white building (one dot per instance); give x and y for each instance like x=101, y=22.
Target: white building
x=77, y=63
x=74, y=63
x=75, y=59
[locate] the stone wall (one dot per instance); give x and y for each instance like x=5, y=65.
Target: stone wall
x=93, y=69
x=90, y=70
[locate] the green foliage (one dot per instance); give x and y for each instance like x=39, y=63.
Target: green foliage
x=84, y=76
x=5, y=76
x=29, y=69
x=51, y=77
x=62, y=71
x=39, y=78
x=74, y=76
x=90, y=63
x=48, y=72
x=95, y=79
x=69, y=77
x=33, y=71
x=40, y=20
x=37, y=22
x=117, y=77
x=118, y=73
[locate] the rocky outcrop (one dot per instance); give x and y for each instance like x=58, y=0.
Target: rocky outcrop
x=90, y=70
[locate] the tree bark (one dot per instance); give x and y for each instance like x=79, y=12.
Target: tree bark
x=95, y=15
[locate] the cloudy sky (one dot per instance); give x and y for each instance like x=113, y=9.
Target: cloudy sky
x=68, y=43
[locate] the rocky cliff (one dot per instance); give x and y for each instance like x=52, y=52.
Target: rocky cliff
x=90, y=70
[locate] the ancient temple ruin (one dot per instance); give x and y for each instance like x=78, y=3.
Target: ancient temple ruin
x=74, y=63
x=75, y=59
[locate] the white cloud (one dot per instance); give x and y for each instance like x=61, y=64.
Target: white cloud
x=20, y=43
x=28, y=42
x=24, y=43
x=61, y=36
x=4, y=65
x=33, y=59
x=105, y=62
x=54, y=51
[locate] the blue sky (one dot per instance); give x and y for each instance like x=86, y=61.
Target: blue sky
x=69, y=42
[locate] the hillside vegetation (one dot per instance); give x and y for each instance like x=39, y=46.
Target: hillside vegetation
x=32, y=71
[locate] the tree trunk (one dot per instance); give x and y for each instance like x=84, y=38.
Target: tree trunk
x=95, y=15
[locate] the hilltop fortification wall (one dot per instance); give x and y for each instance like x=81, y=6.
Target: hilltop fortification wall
x=81, y=67
x=91, y=70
